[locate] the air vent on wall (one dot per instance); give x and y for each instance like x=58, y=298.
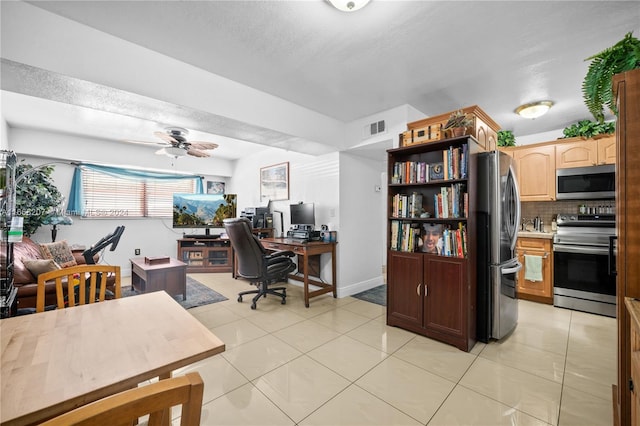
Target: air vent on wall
x=374, y=129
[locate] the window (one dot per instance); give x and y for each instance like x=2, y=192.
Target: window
x=105, y=195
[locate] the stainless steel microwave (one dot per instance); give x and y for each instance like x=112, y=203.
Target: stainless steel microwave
x=586, y=183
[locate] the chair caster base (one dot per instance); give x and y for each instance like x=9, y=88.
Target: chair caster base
x=239, y=298
x=253, y=306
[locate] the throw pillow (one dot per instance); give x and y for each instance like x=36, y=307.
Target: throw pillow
x=59, y=252
x=40, y=266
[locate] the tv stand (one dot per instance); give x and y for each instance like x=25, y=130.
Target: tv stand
x=209, y=254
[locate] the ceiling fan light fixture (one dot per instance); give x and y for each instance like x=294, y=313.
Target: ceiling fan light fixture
x=534, y=109
x=172, y=151
x=348, y=5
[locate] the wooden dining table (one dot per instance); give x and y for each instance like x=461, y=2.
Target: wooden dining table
x=55, y=361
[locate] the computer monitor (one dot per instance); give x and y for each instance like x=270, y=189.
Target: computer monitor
x=302, y=214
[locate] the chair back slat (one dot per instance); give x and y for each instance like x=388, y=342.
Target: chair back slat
x=71, y=285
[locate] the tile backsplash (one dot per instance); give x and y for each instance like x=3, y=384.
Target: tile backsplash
x=548, y=210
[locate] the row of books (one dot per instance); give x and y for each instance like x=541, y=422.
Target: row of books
x=409, y=237
x=452, y=201
x=406, y=205
x=454, y=165
x=405, y=236
x=455, y=241
x=455, y=162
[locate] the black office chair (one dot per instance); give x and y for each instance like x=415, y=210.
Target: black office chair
x=255, y=264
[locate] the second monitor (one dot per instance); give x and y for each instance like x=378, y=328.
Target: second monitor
x=302, y=215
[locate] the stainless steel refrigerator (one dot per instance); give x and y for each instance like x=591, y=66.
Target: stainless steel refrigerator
x=498, y=218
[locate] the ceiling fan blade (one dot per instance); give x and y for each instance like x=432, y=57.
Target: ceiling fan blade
x=196, y=152
x=166, y=137
x=203, y=145
x=156, y=143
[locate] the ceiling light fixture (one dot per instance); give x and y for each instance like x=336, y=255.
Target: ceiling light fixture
x=534, y=109
x=349, y=5
x=172, y=151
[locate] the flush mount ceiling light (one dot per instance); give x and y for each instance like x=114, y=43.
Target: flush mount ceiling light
x=349, y=5
x=534, y=109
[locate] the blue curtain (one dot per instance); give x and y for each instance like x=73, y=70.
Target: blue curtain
x=75, y=204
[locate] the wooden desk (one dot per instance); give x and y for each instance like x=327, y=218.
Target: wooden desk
x=304, y=252
x=55, y=361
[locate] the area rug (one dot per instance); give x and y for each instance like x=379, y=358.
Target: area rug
x=377, y=295
x=197, y=294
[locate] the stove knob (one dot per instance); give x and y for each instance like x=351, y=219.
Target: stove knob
x=574, y=218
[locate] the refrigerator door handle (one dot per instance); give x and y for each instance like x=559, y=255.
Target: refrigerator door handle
x=513, y=270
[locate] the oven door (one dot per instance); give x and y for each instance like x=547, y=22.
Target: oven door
x=582, y=279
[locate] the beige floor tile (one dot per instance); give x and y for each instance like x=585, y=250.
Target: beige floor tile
x=356, y=407
x=276, y=319
x=218, y=375
x=340, y=320
x=347, y=357
x=523, y=391
x=581, y=409
x=306, y=335
x=245, y=406
x=544, y=364
x=300, y=386
x=260, y=356
x=466, y=407
x=438, y=358
x=366, y=309
x=216, y=316
x=550, y=338
x=380, y=336
x=591, y=375
x=238, y=332
x=410, y=389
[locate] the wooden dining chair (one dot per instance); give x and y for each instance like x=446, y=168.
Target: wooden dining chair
x=155, y=399
x=77, y=285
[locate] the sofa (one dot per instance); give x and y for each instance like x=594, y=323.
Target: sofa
x=24, y=255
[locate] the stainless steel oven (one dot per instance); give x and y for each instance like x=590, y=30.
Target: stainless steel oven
x=583, y=255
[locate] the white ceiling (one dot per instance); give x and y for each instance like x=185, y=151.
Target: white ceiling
x=434, y=55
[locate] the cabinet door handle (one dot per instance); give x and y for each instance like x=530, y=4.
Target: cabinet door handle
x=418, y=289
x=426, y=290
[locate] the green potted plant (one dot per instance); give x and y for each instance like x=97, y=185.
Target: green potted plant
x=458, y=123
x=506, y=138
x=597, y=84
x=589, y=129
x=36, y=195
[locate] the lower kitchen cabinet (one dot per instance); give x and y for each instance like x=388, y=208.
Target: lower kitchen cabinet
x=537, y=291
x=428, y=294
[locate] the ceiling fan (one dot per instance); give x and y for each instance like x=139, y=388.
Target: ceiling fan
x=175, y=144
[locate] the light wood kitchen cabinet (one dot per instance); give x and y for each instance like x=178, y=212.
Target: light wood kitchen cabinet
x=584, y=153
x=607, y=151
x=537, y=291
x=536, y=172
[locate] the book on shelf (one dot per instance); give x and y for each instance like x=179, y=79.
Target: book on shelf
x=407, y=205
x=451, y=201
x=410, y=172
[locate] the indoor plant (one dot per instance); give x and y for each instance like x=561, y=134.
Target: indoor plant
x=588, y=129
x=597, y=84
x=506, y=138
x=36, y=195
x=458, y=123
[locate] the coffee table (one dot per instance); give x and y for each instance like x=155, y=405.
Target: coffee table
x=170, y=277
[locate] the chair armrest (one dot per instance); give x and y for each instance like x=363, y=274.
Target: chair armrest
x=281, y=253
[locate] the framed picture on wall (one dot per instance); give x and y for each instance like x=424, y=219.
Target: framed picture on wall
x=274, y=182
x=215, y=187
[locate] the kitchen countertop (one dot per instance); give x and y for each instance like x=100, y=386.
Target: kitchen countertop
x=536, y=234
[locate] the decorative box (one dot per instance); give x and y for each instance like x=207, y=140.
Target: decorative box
x=156, y=260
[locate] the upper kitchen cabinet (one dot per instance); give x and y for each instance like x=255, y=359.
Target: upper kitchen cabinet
x=536, y=172
x=584, y=153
